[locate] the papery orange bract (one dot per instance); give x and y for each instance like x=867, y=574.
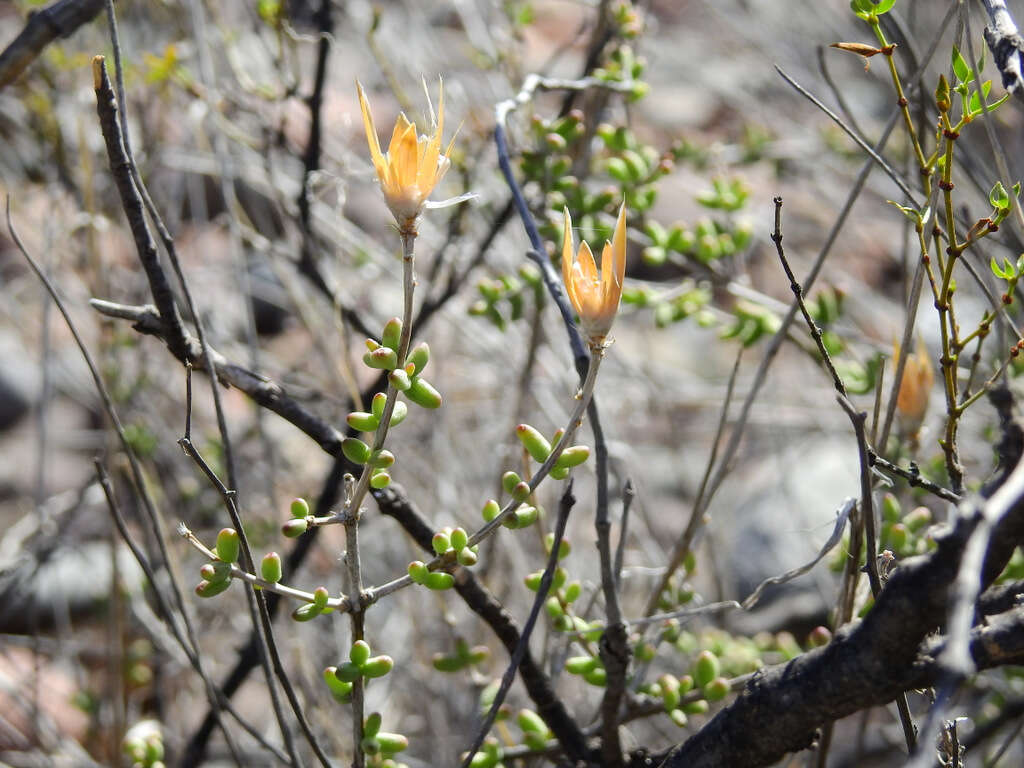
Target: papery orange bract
x=595, y=297
x=412, y=166
x=915, y=388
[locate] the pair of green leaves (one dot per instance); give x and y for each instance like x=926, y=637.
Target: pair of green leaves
x=866, y=9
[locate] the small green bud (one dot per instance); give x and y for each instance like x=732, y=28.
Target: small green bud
x=227, y=545
x=467, y=557
x=685, y=593
x=299, y=508
x=377, y=405
x=441, y=542
x=819, y=636
x=553, y=607
x=348, y=672
x=890, y=508
x=699, y=707
x=392, y=335
x=530, y=275
x=419, y=356
x=678, y=717
x=362, y=421
x=378, y=666
x=484, y=760
x=690, y=562
x=644, y=651
x=444, y=663
x=530, y=722
x=381, y=459
x=717, y=689
x=270, y=567
x=573, y=456
x=294, y=528
x=307, y=612
x=439, y=580
x=535, y=443
x=580, y=665
x=532, y=581
x=216, y=571
x=942, y=94
x=382, y=358
x=355, y=450
x=670, y=631
x=340, y=689
x=521, y=492
x=390, y=743
x=523, y=516
x=559, y=473
x=380, y=479
x=705, y=668
x=359, y=652
x=370, y=746
x=898, y=535
x=372, y=725
x=210, y=588
x=572, y=591
x=490, y=510
x=418, y=571
x=399, y=413
x=527, y=515
x=423, y=393
x=669, y=692
x=509, y=480
x=400, y=380
x=597, y=676
x=459, y=538
x=563, y=547
x=320, y=597
x=685, y=684
x=917, y=519
x=560, y=576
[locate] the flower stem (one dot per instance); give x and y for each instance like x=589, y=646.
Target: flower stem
x=575, y=420
x=350, y=516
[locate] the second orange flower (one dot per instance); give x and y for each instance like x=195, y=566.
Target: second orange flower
x=595, y=297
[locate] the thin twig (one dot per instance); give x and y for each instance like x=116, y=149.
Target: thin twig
x=614, y=646
x=564, y=508
x=628, y=496
x=913, y=477
x=798, y=292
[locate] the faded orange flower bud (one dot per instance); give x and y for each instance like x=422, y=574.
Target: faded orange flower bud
x=412, y=166
x=915, y=389
x=595, y=297
x=867, y=51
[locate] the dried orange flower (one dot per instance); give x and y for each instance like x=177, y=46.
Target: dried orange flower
x=595, y=297
x=412, y=166
x=916, y=387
